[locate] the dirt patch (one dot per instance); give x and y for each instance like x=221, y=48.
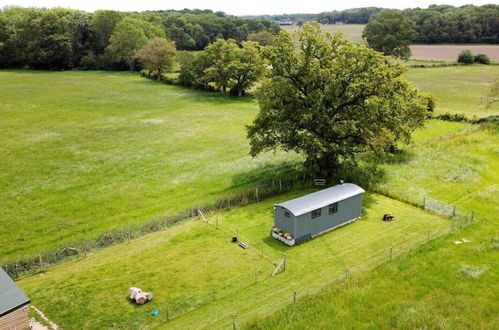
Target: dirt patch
x=450, y=52
x=37, y=325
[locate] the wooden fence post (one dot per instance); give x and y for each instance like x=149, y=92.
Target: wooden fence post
x=234, y=323
x=256, y=193
x=167, y=313
x=472, y=215
x=294, y=298
x=41, y=262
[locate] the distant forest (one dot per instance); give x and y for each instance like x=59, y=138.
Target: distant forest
x=61, y=38
x=435, y=24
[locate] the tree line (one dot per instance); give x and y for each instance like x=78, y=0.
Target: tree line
x=435, y=24
x=60, y=38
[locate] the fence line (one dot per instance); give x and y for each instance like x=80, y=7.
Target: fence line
x=41, y=261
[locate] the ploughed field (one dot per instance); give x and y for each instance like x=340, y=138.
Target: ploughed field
x=450, y=52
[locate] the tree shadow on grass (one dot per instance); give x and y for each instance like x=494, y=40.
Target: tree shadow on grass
x=401, y=156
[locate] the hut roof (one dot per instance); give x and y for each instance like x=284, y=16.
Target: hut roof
x=321, y=198
x=11, y=297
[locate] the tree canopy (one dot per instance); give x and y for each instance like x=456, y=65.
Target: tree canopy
x=225, y=65
x=331, y=100
x=157, y=56
x=390, y=32
x=60, y=38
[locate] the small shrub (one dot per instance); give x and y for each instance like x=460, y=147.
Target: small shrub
x=482, y=59
x=452, y=117
x=465, y=57
x=430, y=102
x=88, y=62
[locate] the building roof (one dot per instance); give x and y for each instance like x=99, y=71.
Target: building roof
x=11, y=297
x=321, y=198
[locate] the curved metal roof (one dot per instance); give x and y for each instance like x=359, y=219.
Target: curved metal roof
x=11, y=297
x=321, y=198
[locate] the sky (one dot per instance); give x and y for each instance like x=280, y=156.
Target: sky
x=234, y=7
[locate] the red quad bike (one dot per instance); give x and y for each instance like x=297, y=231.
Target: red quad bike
x=387, y=217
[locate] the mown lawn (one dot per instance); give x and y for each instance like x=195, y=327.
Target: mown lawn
x=458, y=89
x=441, y=285
x=86, y=152
x=194, y=267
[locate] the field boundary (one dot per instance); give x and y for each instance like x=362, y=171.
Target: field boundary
x=75, y=250
x=394, y=251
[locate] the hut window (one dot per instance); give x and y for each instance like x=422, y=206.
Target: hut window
x=316, y=213
x=333, y=208
x=286, y=213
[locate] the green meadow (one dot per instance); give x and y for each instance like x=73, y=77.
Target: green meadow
x=458, y=89
x=88, y=152
x=442, y=284
x=201, y=278
x=352, y=32
x=195, y=271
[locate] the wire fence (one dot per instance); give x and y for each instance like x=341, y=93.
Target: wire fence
x=295, y=179
x=276, y=262
x=273, y=262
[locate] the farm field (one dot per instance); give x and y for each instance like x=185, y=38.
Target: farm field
x=432, y=158
x=437, y=285
x=195, y=269
x=125, y=149
x=450, y=52
x=87, y=152
x=458, y=89
x=352, y=32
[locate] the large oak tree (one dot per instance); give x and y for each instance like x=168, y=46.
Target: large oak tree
x=332, y=99
x=390, y=32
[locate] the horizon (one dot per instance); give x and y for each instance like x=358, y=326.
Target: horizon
x=247, y=9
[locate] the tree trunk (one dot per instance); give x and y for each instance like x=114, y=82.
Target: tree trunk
x=240, y=92
x=159, y=75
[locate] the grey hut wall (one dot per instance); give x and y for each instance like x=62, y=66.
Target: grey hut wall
x=348, y=209
x=287, y=225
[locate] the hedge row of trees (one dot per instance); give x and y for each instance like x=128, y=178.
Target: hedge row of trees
x=61, y=38
x=435, y=24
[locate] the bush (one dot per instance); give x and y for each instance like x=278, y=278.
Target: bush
x=88, y=62
x=430, y=102
x=465, y=57
x=482, y=58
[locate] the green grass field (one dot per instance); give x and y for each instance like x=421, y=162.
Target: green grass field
x=442, y=285
x=207, y=298
x=86, y=152
x=458, y=89
x=124, y=149
x=352, y=32
x=194, y=267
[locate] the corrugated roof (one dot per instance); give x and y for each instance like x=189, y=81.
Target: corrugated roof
x=321, y=198
x=11, y=297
